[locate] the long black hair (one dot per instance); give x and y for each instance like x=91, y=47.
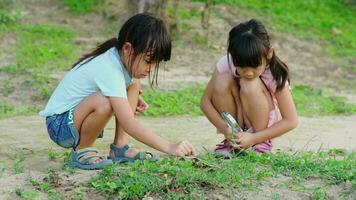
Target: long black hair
x=248, y=44
x=147, y=34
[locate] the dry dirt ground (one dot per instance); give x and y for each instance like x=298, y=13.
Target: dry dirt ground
x=25, y=136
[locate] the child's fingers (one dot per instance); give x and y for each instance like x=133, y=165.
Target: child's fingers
x=193, y=152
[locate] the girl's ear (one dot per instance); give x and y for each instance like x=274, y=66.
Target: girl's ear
x=126, y=48
x=270, y=53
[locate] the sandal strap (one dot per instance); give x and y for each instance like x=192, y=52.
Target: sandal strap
x=119, y=154
x=88, y=155
x=119, y=151
x=85, y=151
x=90, y=159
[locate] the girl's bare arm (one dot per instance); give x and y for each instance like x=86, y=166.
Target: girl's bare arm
x=208, y=108
x=136, y=129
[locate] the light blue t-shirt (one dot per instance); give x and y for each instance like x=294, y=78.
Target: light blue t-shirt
x=104, y=73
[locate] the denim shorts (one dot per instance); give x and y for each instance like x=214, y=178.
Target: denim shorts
x=61, y=129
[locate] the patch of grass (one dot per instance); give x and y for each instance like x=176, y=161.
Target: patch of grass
x=83, y=6
x=2, y=171
x=179, y=102
x=41, y=50
x=190, y=178
x=332, y=21
x=8, y=87
x=48, y=185
x=309, y=101
x=7, y=18
x=52, y=155
x=6, y=110
x=8, y=14
x=18, y=164
x=26, y=194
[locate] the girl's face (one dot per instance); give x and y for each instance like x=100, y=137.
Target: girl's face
x=141, y=66
x=251, y=73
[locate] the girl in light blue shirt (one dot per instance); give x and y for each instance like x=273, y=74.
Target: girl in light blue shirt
x=106, y=83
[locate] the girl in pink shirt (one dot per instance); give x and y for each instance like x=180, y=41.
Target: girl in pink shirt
x=252, y=84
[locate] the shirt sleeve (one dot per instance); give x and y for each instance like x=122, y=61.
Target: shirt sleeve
x=224, y=66
x=111, y=82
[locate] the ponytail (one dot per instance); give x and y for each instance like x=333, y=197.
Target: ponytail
x=108, y=44
x=279, y=71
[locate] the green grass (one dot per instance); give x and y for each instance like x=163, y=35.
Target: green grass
x=310, y=19
x=26, y=194
x=190, y=178
x=49, y=184
x=179, y=102
x=8, y=18
x=83, y=6
x=7, y=110
x=41, y=50
x=309, y=101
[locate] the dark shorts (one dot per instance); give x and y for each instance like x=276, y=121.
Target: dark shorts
x=61, y=129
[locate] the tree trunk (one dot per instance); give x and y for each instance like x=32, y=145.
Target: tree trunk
x=205, y=18
x=157, y=7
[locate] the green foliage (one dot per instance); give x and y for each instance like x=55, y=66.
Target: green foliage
x=6, y=110
x=83, y=6
x=311, y=101
x=7, y=18
x=41, y=50
x=48, y=184
x=18, y=164
x=2, y=171
x=191, y=177
x=26, y=194
x=328, y=20
x=183, y=101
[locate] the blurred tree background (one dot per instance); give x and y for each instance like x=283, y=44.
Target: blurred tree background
x=41, y=39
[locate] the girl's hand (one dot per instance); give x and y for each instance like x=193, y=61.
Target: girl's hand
x=245, y=140
x=183, y=148
x=142, y=106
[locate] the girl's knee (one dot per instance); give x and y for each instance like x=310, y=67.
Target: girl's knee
x=251, y=87
x=103, y=105
x=224, y=85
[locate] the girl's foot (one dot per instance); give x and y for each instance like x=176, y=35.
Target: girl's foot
x=87, y=158
x=129, y=154
x=224, y=149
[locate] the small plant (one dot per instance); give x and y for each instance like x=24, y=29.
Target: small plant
x=48, y=185
x=26, y=194
x=83, y=6
x=54, y=155
x=19, y=164
x=8, y=88
x=2, y=171
x=7, y=18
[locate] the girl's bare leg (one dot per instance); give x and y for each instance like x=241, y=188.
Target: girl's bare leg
x=226, y=96
x=90, y=117
x=122, y=138
x=256, y=102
